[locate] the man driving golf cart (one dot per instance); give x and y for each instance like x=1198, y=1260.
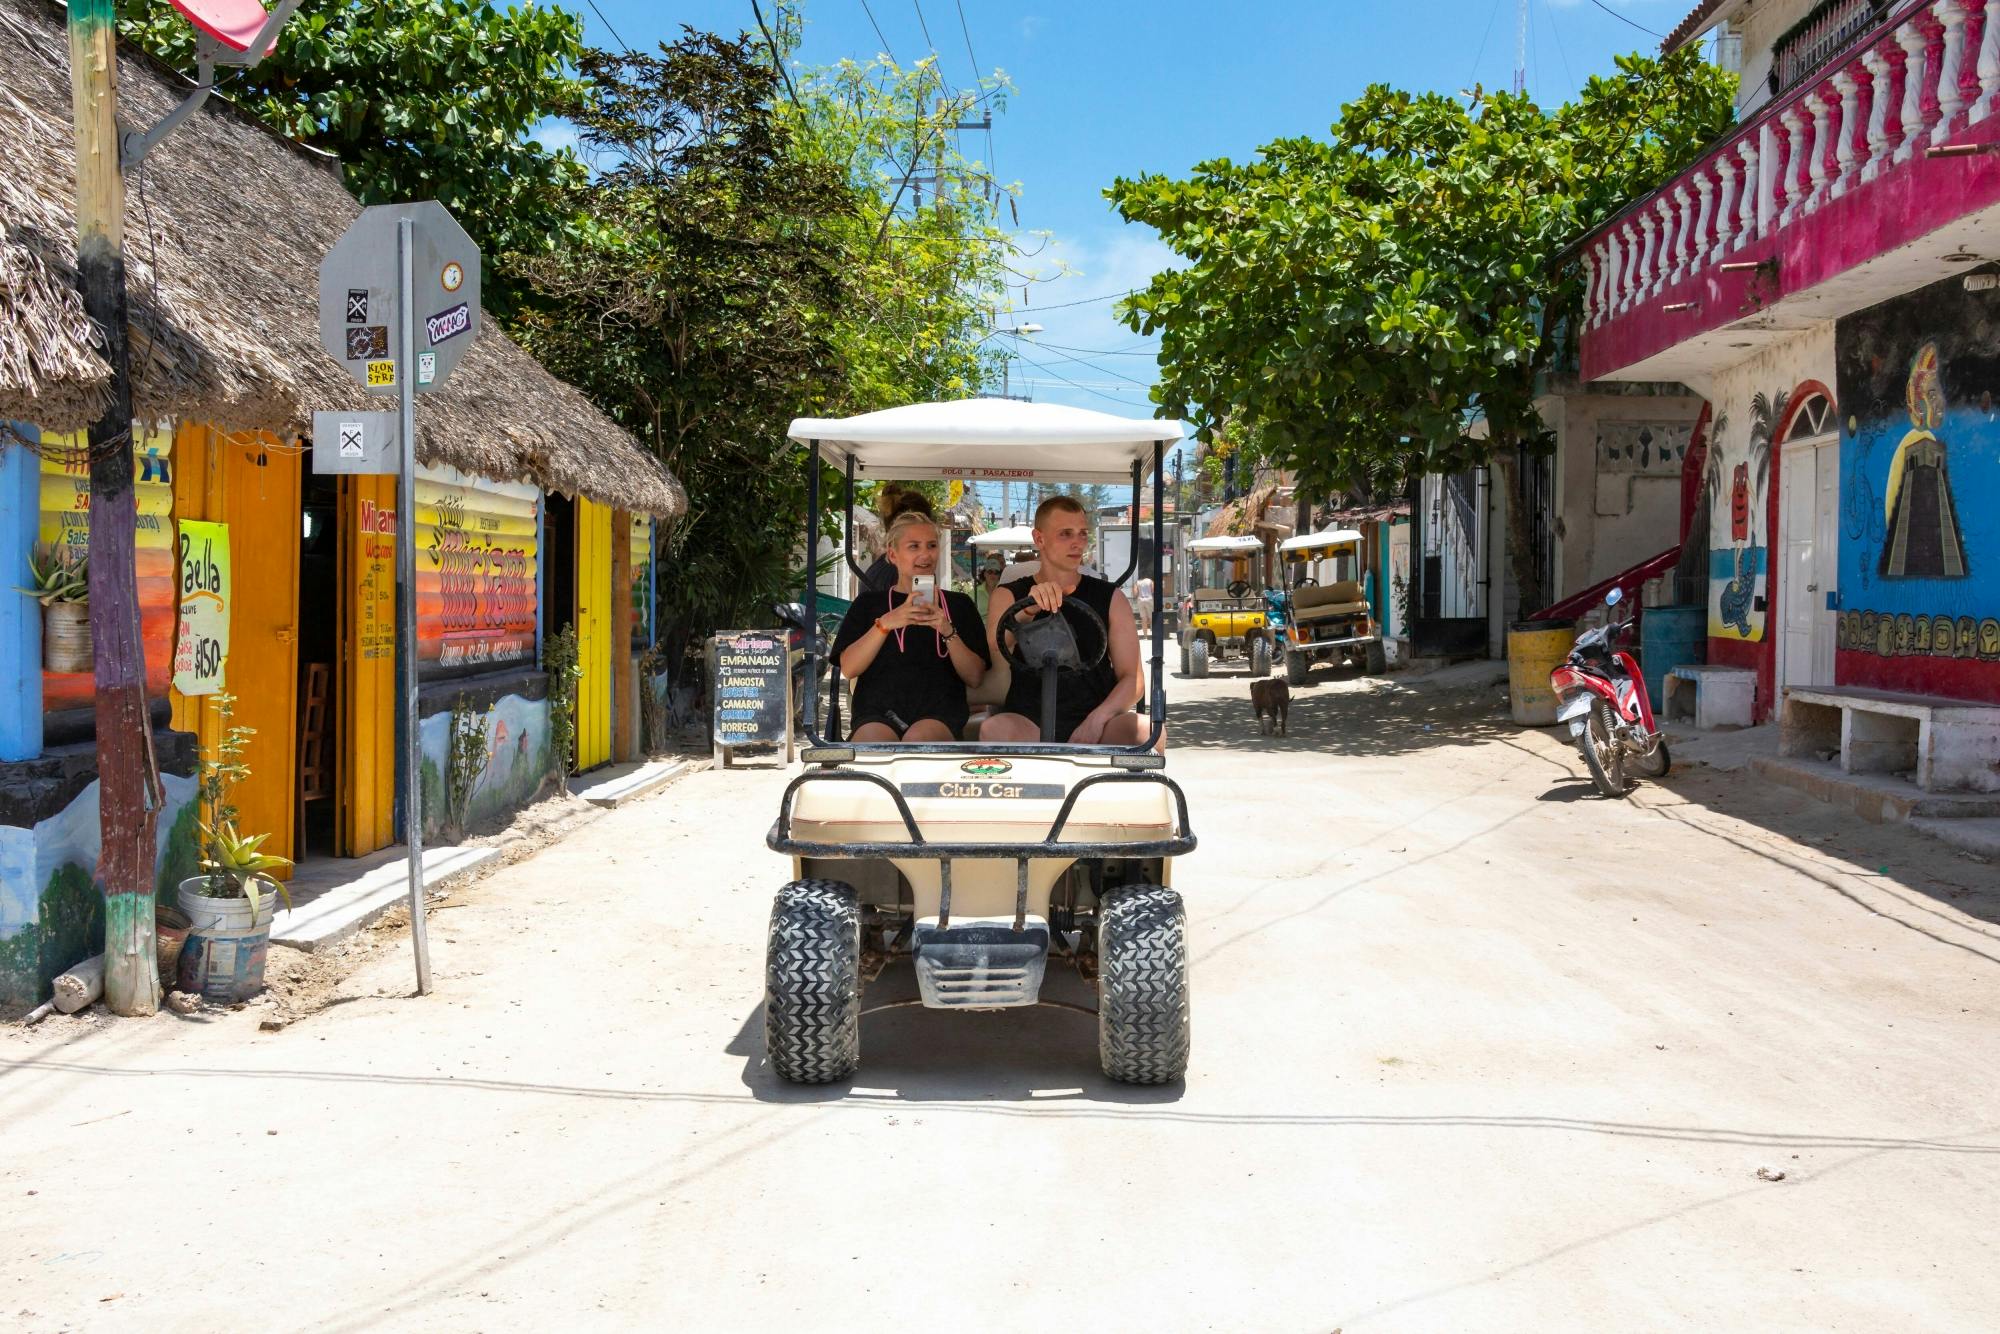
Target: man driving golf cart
x=977, y=862
x=1092, y=705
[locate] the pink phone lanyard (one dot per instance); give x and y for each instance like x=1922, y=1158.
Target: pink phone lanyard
x=944, y=649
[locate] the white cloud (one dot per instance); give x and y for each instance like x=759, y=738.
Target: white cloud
x=1030, y=25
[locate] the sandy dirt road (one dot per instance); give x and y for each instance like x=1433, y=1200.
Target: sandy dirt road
x=1474, y=1050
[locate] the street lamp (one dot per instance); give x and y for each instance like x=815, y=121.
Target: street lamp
x=1006, y=362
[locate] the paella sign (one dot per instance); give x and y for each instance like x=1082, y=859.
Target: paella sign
x=201, y=645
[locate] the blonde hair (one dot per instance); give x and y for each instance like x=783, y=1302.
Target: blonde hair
x=902, y=523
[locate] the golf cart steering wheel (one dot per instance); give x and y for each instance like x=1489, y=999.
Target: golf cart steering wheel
x=1307, y=582
x=1239, y=588
x=1026, y=645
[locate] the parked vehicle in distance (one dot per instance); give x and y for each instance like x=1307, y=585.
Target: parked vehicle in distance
x=1602, y=698
x=1331, y=620
x=1225, y=614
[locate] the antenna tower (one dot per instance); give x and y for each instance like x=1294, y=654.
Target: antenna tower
x=1521, y=47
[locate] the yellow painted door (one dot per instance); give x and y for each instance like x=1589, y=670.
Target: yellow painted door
x=365, y=676
x=251, y=483
x=593, y=633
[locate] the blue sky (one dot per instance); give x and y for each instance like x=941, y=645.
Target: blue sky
x=1104, y=88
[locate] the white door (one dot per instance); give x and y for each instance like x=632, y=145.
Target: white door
x=1808, y=509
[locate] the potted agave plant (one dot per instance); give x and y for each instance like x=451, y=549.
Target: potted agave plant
x=230, y=906
x=62, y=586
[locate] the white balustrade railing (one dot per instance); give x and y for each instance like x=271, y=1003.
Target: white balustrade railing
x=1909, y=84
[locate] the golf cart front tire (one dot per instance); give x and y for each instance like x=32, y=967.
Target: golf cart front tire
x=1378, y=659
x=812, y=983
x=1197, y=655
x=1298, y=666
x=1143, y=1018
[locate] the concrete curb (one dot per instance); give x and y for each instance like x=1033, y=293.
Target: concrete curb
x=1875, y=797
x=1980, y=837
x=344, y=909
x=629, y=782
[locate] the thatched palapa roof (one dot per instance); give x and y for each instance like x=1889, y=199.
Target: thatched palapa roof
x=225, y=228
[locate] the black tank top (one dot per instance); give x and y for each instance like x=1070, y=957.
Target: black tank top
x=1077, y=693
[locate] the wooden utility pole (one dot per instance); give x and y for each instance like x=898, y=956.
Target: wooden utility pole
x=129, y=791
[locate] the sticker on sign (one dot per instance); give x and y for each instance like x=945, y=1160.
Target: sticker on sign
x=381, y=373
x=448, y=323
x=427, y=367
x=366, y=341
x=352, y=440
x=357, y=305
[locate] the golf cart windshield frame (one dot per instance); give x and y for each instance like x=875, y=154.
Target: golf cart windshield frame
x=819, y=750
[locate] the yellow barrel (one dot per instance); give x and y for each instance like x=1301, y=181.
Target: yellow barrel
x=1534, y=649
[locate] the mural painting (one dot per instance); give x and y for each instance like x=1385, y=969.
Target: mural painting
x=642, y=582
x=476, y=559
x=517, y=761
x=51, y=912
x=1737, y=485
x=1920, y=494
x=65, y=495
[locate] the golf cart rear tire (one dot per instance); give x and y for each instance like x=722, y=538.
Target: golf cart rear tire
x=1187, y=666
x=1378, y=659
x=812, y=983
x=1198, y=659
x=1143, y=1017
x=1260, y=657
x=1298, y=666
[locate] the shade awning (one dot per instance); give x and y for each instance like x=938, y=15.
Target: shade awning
x=1332, y=537
x=990, y=439
x=1020, y=535
x=1224, y=546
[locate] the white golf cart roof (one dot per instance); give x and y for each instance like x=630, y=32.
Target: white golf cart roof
x=1331, y=537
x=997, y=439
x=1020, y=535
x=1224, y=546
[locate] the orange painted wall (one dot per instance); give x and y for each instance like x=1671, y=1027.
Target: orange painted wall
x=251, y=482
x=365, y=677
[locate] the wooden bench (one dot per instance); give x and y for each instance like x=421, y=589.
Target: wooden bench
x=1944, y=744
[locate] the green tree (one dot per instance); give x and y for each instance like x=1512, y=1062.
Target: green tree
x=701, y=307
x=1352, y=306
x=429, y=99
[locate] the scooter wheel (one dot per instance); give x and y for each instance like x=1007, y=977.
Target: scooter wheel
x=1658, y=763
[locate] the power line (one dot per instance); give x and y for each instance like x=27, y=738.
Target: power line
x=608, y=28
x=1548, y=13
x=1101, y=351
x=1074, y=384
x=1065, y=305
x=873, y=24
x=1622, y=19
x=1101, y=370
x=777, y=61
x=924, y=28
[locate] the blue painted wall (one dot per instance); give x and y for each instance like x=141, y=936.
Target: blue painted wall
x=20, y=615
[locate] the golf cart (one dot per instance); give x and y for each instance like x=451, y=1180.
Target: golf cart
x=1225, y=612
x=1330, y=619
x=981, y=861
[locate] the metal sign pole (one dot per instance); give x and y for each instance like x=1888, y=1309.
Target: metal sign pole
x=406, y=573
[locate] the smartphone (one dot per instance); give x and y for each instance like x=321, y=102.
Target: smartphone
x=923, y=588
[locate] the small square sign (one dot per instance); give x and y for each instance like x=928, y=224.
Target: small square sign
x=353, y=440
x=357, y=305
x=381, y=374
x=367, y=342
x=427, y=367
x=345, y=441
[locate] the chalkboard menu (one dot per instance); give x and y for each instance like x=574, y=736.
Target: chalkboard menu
x=751, y=671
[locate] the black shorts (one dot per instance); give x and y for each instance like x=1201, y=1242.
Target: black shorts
x=861, y=720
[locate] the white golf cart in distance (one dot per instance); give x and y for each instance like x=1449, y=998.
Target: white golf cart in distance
x=978, y=860
x=1330, y=619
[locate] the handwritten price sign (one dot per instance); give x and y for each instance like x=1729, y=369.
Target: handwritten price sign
x=201, y=645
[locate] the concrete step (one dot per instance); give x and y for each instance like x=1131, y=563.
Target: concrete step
x=1978, y=836
x=1881, y=798
x=612, y=787
x=337, y=897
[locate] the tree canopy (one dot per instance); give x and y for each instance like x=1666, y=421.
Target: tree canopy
x=430, y=99
x=1349, y=305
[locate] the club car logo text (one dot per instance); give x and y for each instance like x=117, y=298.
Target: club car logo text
x=987, y=768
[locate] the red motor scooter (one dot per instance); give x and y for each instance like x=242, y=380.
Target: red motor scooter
x=1602, y=699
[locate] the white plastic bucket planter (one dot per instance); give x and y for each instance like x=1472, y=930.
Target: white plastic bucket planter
x=223, y=959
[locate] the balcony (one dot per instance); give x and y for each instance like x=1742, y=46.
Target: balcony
x=1874, y=175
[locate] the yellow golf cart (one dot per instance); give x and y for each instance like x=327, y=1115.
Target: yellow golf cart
x=1226, y=615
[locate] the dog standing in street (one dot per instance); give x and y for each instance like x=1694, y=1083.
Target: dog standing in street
x=1272, y=699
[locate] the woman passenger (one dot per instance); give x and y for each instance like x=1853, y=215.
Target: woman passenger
x=911, y=660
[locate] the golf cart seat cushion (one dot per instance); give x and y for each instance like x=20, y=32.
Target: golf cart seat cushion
x=1344, y=598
